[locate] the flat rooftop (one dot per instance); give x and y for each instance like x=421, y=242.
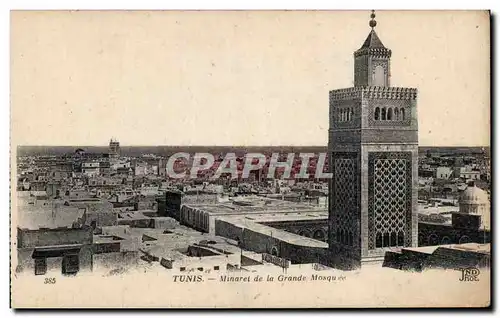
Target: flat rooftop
x=84, y=200
x=254, y=204
x=427, y=209
x=467, y=247
x=51, y=216
x=472, y=247
x=169, y=244
x=284, y=216
x=99, y=239
x=136, y=215
x=164, y=239
x=175, y=252
x=291, y=238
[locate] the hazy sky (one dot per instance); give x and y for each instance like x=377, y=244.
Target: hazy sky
x=244, y=78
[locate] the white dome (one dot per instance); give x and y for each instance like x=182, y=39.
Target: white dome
x=474, y=195
x=475, y=201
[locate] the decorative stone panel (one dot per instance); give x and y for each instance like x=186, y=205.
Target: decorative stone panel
x=389, y=199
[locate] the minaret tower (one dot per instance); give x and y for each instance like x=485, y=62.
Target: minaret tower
x=373, y=147
x=114, y=148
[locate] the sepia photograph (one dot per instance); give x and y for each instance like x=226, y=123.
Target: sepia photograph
x=250, y=159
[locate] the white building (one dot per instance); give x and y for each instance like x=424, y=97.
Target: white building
x=444, y=172
x=468, y=173
x=90, y=168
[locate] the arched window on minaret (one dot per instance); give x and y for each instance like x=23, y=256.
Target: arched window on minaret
x=377, y=113
x=402, y=114
x=401, y=238
x=383, y=114
x=379, y=76
x=378, y=240
x=396, y=113
x=385, y=240
x=393, y=239
x=389, y=113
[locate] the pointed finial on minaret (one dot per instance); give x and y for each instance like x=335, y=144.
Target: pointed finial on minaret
x=373, y=23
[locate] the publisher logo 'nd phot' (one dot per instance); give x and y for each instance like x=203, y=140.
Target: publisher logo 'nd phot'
x=469, y=274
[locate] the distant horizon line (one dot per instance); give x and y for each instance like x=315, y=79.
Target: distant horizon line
x=248, y=146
